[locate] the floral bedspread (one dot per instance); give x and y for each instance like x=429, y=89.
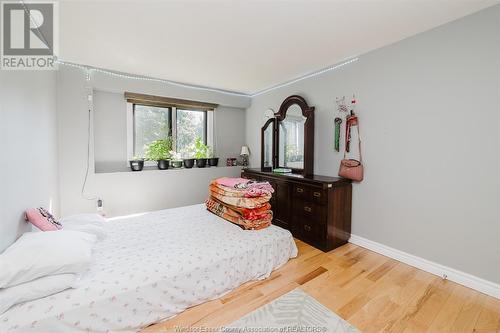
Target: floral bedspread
x=153, y=266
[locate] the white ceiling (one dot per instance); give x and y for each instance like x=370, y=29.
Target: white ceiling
x=238, y=45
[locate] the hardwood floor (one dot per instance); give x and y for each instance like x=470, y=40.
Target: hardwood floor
x=373, y=292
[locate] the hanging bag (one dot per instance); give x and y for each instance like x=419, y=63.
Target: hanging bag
x=351, y=168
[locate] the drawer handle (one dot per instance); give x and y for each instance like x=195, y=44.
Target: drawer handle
x=317, y=194
x=308, y=209
x=307, y=228
x=300, y=190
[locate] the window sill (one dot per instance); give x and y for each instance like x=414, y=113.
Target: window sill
x=108, y=170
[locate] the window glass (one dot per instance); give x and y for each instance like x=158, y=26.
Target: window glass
x=150, y=123
x=191, y=124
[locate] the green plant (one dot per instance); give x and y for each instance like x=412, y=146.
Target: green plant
x=201, y=150
x=210, y=152
x=159, y=150
x=137, y=158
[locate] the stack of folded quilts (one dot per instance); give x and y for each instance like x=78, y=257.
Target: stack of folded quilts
x=241, y=201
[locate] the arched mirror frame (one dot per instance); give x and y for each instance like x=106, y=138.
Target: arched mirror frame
x=308, y=113
x=270, y=122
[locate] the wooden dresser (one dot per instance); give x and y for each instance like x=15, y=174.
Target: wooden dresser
x=316, y=209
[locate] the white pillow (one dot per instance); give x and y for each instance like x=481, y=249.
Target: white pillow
x=29, y=291
x=93, y=229
x=37, y=254
x=82, y=219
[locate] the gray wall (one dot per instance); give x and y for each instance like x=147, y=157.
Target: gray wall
x=28, y=142
x=128, y=192
x=430, y=119
x=110, y=131
x=229, y=131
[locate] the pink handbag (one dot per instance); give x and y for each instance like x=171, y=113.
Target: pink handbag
x=351, y=168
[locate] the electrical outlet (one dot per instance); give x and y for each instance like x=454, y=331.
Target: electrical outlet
x=100, y=205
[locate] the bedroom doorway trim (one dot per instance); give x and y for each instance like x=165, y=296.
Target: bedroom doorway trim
x=465, y=279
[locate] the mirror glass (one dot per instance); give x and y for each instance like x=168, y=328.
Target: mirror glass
x=291, y=139
x=268, y=147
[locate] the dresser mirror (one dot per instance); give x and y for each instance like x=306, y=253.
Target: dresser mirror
x=267, y=145
x=294, y=140
x=287, y=138
x=291, y=139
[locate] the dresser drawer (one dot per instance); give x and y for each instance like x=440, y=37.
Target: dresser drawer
x=302, y=192
x=319, y=196
x=309, y=231
x=312, y=194
x=309, y=211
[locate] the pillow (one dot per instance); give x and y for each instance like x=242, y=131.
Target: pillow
x=42, y=219
x=92, y=229
x=37, y=254
x=83, y=219
x=29, y=291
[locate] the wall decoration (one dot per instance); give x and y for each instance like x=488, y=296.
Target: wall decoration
x=338, y=122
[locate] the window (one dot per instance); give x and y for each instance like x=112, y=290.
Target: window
x=150, y=123
x=146, y=124
x=151, y=118
x=191, y=124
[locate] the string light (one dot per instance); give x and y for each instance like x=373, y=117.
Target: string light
x=308, y=76
x=89, y=70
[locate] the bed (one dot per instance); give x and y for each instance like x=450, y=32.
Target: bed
x=153, y=266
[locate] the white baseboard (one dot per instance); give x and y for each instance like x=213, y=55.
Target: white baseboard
x=465, y=279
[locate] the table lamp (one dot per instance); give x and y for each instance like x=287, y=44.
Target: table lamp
x=245, y=152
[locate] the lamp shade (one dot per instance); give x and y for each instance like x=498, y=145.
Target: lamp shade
x=245, y=151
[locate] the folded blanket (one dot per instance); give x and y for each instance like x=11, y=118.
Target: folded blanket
x=251, y=203
x=229, y=215
x=231, y=182
x=243, y=187
x=246, y=213
x=231, y=192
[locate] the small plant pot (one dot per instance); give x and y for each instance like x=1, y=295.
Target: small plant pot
x=189, y=163
x=176, y=164
x=136, y=165
x=163, y=164
x=201, y=162
x=214, y=161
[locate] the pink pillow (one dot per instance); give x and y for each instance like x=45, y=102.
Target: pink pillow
x=44, y=223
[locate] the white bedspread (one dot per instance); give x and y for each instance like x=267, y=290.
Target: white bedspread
x=152, y=267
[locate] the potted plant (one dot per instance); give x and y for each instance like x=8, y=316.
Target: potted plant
x=212, y=161
x=136, y=163
x=176, y=161
x=159, y=151
x=189, y=159
x=201, y=153
x=188, y=163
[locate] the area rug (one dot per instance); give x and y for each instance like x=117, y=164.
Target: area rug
x=295, y=311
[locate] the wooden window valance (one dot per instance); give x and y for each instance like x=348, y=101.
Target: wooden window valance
x=167, y=102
